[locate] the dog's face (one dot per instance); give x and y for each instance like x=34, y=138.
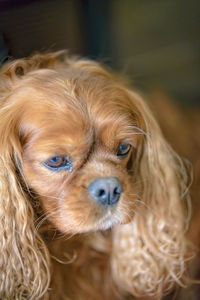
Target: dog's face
x=78, y=146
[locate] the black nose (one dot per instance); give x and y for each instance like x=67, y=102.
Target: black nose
x=106, y=190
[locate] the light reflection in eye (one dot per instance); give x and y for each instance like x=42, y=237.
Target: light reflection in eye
x=123, y=150
x=58, y=163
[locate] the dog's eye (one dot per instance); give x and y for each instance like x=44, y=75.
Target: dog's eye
x=58, y=163
x=123, y=150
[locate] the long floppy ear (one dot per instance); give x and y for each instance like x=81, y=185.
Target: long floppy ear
x=150, y=253
x=24, y=259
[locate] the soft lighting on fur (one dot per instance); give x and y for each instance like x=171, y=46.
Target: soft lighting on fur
x=63, y=122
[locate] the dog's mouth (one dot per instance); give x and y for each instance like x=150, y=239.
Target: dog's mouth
x=86, y=215
x=113, y=216
x=108, y=220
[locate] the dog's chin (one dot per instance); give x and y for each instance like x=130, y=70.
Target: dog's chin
x=107, y=222
x=102, y=224
x=69, y=223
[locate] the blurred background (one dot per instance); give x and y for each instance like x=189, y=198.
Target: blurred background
x=155, y=43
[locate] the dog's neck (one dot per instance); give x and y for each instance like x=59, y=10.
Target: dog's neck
x=84, y=259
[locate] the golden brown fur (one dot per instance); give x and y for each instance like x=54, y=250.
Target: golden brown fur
x=57, y=243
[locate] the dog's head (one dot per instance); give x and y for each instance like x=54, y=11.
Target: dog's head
x=79, y=134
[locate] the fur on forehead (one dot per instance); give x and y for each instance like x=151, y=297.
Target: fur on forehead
x=72, y=95
x=54, y=78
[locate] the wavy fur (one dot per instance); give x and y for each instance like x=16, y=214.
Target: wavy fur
x=145, y=252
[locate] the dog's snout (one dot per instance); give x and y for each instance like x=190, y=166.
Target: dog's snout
x=105, y=190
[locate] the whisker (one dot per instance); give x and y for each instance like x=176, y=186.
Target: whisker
x=48, y=196
x=44, y=219
x=71, y=260
x=139, y=129
x=44, y=214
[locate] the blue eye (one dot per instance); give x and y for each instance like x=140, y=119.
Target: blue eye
x=54, y=159
x=123, y=150
x=58, y=163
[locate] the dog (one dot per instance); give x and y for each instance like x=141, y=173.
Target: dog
x=94, y=202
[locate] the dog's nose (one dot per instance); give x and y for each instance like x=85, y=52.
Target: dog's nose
x=105, y=190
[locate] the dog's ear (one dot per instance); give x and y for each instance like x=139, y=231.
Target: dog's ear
x=150, y=253
x=24, y=270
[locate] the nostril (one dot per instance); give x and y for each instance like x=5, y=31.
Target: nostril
x=116, y=194
x=117, y=191
x=101, y=193
x=106, y=190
